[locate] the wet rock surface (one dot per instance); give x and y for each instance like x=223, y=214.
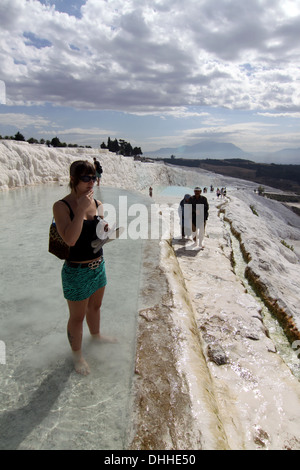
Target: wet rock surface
x=243, y=395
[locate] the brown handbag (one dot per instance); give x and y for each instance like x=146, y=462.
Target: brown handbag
x=57, y=246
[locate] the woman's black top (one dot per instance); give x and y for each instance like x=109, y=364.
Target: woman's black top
x=82, y=250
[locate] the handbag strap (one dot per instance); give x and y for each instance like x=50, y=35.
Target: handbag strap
x=71, y=212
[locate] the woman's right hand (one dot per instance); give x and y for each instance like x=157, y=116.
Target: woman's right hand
x=85, y=200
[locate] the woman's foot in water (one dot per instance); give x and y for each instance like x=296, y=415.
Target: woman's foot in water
x=104, y=339
x=81, y=366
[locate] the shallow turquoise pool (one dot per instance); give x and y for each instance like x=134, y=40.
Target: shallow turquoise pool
x=44, y=403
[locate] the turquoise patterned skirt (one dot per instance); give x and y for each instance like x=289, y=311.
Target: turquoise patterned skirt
x=80, y=283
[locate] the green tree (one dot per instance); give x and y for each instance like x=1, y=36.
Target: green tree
x=32, y=141
x=125, y=148
x=137, y=151
x=115, y=146
x=122, y=147
x=55, y=142
x=19, y=137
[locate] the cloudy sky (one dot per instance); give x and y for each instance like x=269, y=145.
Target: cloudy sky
x=157, y=73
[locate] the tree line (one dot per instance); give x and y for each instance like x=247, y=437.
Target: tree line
x=117, y=146
x=55, y=142
x=121, y=147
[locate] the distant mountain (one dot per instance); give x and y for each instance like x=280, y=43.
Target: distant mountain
x=222, y=150
x=289, y=156
x=284, y=157
x=204, y=150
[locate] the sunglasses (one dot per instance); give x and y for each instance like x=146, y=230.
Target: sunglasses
x=87, y=178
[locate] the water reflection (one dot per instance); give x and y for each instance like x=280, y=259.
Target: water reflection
x=44, y=404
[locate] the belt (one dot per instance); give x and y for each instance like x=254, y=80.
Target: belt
x=92, y=264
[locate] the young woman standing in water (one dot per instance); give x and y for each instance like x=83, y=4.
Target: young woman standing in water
x=83, y=273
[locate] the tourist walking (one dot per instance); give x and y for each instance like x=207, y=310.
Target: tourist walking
x=200, y=210
x=184, y=213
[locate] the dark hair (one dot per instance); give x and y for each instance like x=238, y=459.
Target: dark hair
x=80, y=168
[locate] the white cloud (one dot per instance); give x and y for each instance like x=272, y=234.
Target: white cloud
x=142, y=55
x=21, y=120
x=169, y=59
x=290, y=8
x=82, y=131
x=280, y=115
x=176, y=112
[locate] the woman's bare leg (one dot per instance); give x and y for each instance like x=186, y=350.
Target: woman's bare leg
x=93, y=316
x=93, y=311
x=77, y=311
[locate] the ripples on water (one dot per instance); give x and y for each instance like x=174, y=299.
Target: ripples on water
x=44, y=403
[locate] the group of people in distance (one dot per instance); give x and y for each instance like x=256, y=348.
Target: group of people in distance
x=221, y=192
x=193, y=215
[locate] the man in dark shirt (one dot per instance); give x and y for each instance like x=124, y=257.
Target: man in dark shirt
x=200, y=209
x=185, y=225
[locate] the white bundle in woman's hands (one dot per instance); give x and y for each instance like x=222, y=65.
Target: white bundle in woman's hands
x=105, y=234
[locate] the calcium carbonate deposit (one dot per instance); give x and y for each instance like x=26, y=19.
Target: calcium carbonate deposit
x=216, y=350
